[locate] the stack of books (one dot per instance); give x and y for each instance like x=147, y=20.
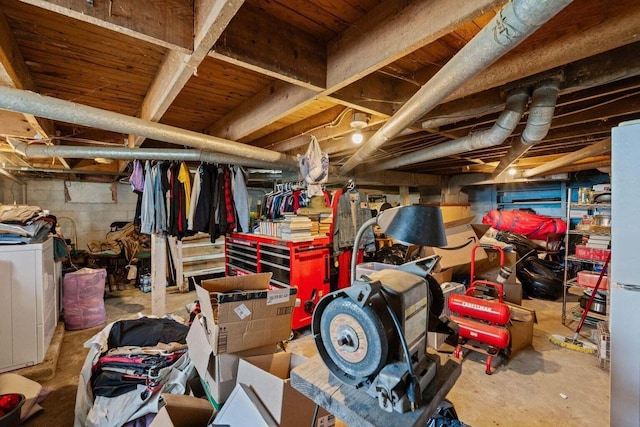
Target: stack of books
x=599, y=242
x=320, y=221
x=268, y=228
x=325, y=224
x=296, y=228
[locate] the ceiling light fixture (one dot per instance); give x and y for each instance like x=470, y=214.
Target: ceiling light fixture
x=358, y=122
x=512, y=171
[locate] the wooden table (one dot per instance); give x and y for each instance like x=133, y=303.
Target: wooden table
x=357, y=408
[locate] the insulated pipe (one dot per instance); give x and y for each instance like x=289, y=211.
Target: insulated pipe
x=56, y=109
x=598, y=148
x=511, y=25
x=543, y=104
x=499, y=132
x=39, y=151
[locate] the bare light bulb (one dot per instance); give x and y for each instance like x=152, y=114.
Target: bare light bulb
x=357, y=137
x=512, y=171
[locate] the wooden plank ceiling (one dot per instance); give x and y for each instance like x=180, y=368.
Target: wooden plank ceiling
x=270, y=73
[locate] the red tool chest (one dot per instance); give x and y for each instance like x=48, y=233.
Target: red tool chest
x=301, y=264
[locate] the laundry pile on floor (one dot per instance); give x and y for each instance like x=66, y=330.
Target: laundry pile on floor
x=130, y=363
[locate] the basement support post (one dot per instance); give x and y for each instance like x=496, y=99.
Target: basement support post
x=158, y=275
x=404, y=196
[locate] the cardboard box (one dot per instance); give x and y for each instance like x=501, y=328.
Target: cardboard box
x=521, y=327
x=183, y=411
x=243, y=313
x=443, y=276
x=488, y=269
x=461, y=238
x=269, y=376
x=217, y=373
x=244, y=409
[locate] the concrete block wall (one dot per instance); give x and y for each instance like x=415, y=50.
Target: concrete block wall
x=92, y=220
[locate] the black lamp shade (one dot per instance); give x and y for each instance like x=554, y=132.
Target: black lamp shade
x=417, y=225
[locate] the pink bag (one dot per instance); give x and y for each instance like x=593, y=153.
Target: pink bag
x=83, y=298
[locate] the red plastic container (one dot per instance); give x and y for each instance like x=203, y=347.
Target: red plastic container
x=590, y=278
x=593, y=254
x=12, y=417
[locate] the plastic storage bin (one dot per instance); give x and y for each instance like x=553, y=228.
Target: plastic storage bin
x=83, y=298
x=593, y=254
x=590, y=278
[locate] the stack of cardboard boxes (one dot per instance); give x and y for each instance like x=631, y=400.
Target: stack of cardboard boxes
x=233, y=344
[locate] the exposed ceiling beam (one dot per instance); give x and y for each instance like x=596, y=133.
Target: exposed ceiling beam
x=12, y=177
x=601, y=69
x=211, y=17
x=408, y=179
x=559, y=48
x=270, y=104
x=514, y=23
x=391, y=31
x=23, y=101
x=326, y=118
x=14, y=66
x=164, y=23
x=596, y=149
x=418, y=23
x=301, y=58
x=562, y=45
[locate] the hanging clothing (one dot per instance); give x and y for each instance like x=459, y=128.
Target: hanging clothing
x=137, y=177
x=228, y=201
x=195, y=195
x=351, y=214
x=185, y=180
x=241, y=198
x=220, y=204
x=147, y=213
x=160, y=225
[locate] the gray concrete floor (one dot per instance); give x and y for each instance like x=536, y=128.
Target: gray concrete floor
x=540, y=386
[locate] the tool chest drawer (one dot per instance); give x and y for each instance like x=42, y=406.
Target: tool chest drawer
x=304, y=265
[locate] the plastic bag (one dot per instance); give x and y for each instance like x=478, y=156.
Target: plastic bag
x=314, y=166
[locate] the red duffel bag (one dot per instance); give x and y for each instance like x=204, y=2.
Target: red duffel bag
x=530, y=225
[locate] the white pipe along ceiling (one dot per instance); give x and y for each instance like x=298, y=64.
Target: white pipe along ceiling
x=56, y=109
x=513, y=23
x=499, y=132
x=601, y=147
x=39, y=151
x=543, y=104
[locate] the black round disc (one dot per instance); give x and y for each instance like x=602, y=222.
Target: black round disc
x=354, y=338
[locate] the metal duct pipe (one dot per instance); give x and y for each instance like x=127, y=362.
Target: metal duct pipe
x=543, y=105
x=499, y=132
x=596, y=149
x=512, y=24
x=39, y=151
x=56, y=109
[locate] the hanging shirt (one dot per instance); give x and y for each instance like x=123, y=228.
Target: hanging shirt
x=228, y=201
x=160, y=225
x=240, y=198
x=195, y=195
x=147, y=214
x=185, y=180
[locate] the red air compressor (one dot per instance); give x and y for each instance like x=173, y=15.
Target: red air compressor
x=482, y=322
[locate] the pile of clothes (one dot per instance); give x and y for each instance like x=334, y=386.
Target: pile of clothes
x=130, y=363
x=23, y=224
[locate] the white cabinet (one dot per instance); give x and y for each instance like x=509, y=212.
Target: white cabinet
x=28, y=303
